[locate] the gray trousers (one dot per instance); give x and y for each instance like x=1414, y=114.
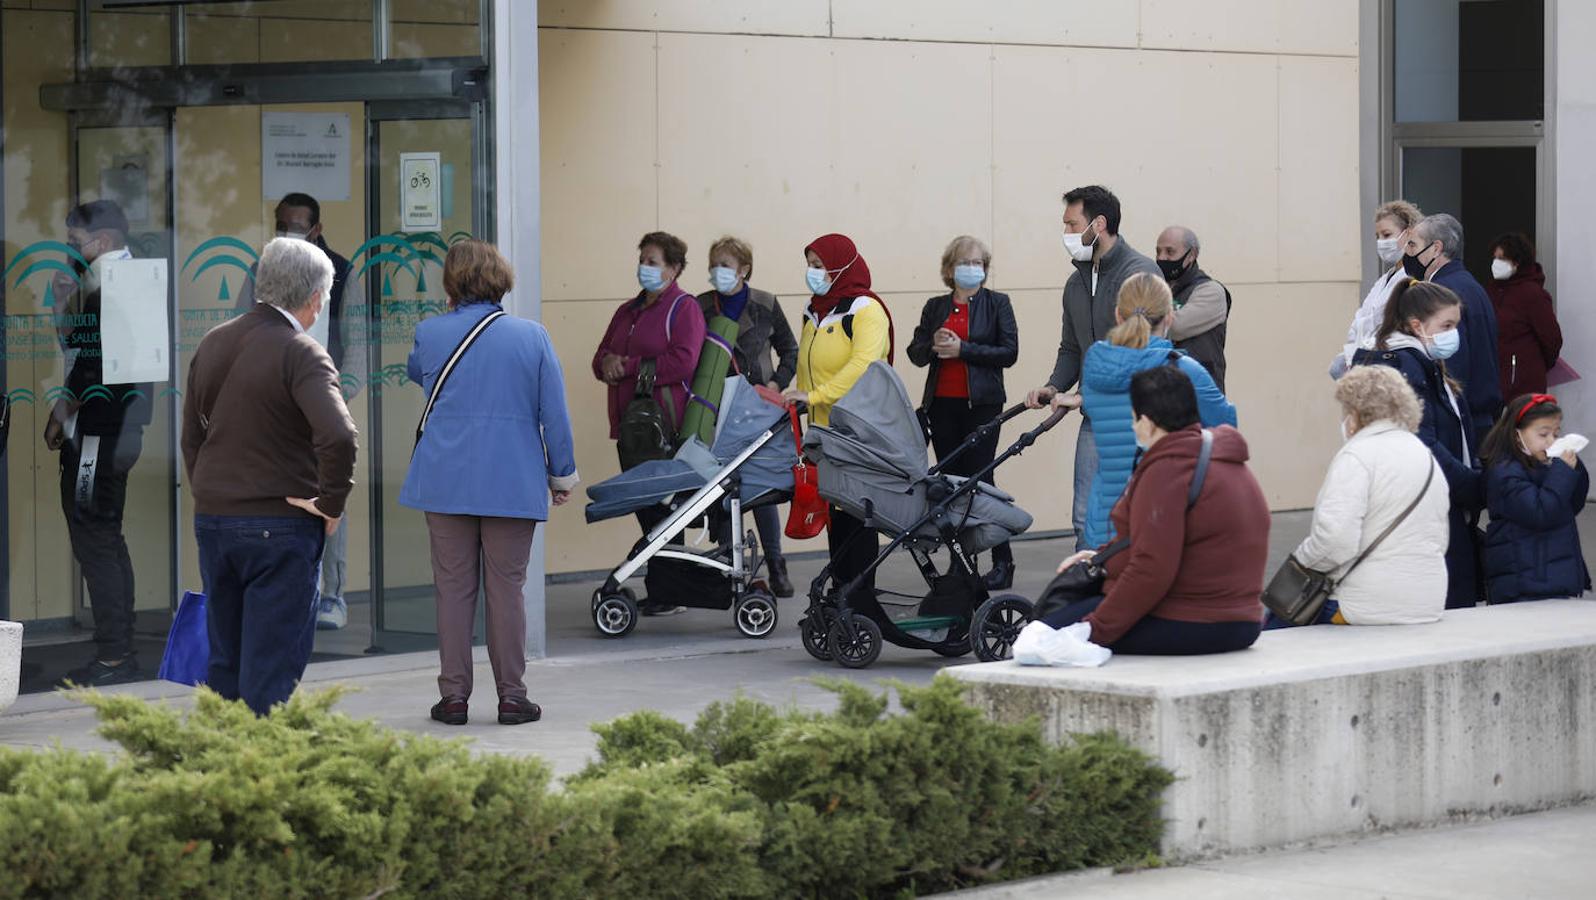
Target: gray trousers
x=471, y=553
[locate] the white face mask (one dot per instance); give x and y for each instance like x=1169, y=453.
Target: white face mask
x=296, y=235
x=1078, y=250
x=1502, y=270
x=1389, y=251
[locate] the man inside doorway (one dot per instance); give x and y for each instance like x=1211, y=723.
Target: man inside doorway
x=99, y=430
x=299, y=217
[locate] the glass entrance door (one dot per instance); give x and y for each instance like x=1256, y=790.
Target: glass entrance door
x=426, y=191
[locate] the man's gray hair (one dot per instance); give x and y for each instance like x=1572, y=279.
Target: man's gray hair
x=1446, y=229
x=291, y=273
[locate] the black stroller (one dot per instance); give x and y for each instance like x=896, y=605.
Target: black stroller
x=872, y=464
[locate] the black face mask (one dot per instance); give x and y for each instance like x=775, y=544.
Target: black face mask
x=1413, y=267
x=1173, y=268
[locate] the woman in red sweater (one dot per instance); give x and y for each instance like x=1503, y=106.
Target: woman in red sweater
x=1528, y=338
x=1190, y=580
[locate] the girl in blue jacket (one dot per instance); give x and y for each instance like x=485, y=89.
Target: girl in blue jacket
x=1144, y=313
x=1532, y=547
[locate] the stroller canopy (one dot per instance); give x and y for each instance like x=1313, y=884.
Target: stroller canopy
x=743, y=417
x=874, y=450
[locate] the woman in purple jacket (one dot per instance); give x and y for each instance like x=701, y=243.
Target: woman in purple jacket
x=662, y=323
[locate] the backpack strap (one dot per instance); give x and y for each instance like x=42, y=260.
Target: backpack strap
x=1204, y=457
x=448, y=367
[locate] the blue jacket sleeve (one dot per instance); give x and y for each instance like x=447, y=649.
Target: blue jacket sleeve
x=559, y=446
x=1482, y=383
x=413, y=364
x=1212, y=406
x=1464, y=481
x=1515, y=497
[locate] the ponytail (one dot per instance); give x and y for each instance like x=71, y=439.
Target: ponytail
x=1144, y=303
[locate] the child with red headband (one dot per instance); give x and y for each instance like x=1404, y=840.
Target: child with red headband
x=1535, y=488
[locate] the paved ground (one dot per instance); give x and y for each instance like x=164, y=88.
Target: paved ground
x=681, y=664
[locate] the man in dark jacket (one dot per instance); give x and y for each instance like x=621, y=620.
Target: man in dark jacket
x=1102, y=263
x=99, y=430
x=1433, y=252
x=1202, y=305
x=269, y=449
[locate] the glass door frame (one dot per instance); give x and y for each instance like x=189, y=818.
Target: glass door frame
x=384, y=639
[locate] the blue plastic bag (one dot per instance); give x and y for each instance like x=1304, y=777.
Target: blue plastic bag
x=188, y=646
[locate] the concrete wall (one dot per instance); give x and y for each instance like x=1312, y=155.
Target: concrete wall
x=906, y=123
x=1572, y=138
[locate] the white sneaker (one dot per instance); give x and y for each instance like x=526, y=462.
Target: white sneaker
x=332, y=614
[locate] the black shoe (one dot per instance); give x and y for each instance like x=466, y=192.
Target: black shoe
x=102, y=674
x=656, y=608
x=780, y=584
x=1001, y=578
x=450, y=711
x=518, y=711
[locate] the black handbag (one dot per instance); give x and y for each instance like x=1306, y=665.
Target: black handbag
x=1297, y=593
x=645, y=431
x=1085, y=579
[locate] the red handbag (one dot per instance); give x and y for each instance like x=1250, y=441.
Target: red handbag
x=809, y=514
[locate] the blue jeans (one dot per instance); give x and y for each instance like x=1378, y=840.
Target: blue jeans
x=1085, y=474
x=1326, y=613
x=260, y=587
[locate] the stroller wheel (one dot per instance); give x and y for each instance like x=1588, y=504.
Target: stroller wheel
x=615, y=615
x=816, y=631
x=996, y=624
x=756, y=614
x=859, y=651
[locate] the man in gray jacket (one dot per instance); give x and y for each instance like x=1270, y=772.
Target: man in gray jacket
x=1102, y=263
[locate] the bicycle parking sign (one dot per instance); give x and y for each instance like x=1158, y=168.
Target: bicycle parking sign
x=420, y=191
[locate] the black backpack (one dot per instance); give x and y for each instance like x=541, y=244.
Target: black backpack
x=645, y=429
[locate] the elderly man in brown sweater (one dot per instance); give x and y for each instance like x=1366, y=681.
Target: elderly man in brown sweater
x=269, y=448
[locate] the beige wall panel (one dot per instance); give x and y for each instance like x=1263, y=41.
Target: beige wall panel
x=1321, y=228
x=417, y=41
x=324, y=10
x=1219, y=178
x=597, y=110
x=1327, y=27
x=129, y=39
x=1081, y=23
x=881, y=165
x=213, y=40
x=308, y=40
x=460, y=12
x=1277, y=380
x=809, y=17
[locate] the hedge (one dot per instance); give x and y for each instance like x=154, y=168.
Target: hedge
x=748, y=802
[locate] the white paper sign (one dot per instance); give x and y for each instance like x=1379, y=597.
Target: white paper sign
x=420, y=191
x=134, y=330
x=304, y=152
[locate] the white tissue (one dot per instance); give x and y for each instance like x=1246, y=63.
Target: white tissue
x=1040, y=644
x=1574, y=442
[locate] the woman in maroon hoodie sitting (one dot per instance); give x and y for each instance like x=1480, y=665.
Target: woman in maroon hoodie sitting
x=1190, y=579
x=1528, y=339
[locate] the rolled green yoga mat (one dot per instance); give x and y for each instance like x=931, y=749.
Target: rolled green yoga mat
x=709, y=380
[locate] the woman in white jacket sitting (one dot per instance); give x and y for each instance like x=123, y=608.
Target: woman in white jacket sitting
x=1375, y=476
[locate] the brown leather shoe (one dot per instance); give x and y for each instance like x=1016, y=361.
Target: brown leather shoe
x=450, y=711
x=518, y=711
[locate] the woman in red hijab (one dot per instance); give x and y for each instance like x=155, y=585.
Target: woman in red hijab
x=846, y=328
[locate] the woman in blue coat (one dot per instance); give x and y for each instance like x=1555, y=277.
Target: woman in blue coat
x=1417, y=335
x=1144, y=313
x=496, y=447
x=1532, y=549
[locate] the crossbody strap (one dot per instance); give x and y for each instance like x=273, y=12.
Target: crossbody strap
x=454, y=360
x=1399, y=520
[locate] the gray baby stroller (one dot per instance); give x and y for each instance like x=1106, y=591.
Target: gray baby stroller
x=872, y=464
x=750, y=465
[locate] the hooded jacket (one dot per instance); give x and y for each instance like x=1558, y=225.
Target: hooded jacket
x=1089, y=314
x=1205, y=564
x=1528, y=338
x=1105, y=390
x=1532, y=549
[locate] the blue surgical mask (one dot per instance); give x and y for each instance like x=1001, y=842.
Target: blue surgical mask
x=652, y=278
x=819, y=284
x=1443, y=345
x=724, y=279
x=968, y=277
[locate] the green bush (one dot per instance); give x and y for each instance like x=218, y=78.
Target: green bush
x=748, y=802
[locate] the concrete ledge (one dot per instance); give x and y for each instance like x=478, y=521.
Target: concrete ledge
x=1320, y=732
x=10, y=661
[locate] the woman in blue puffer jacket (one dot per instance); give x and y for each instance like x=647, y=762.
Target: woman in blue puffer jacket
x=1138, y=342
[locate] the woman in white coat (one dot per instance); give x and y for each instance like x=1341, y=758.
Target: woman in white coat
x=1391, y=223
x=1375, y=476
